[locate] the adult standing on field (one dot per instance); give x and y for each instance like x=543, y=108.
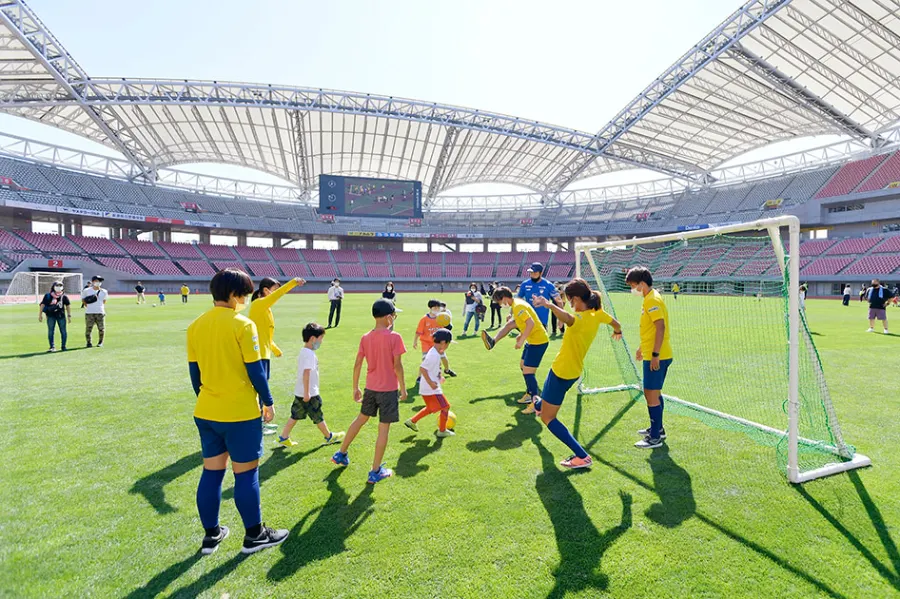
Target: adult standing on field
x=57, y=308
x=335, y=296
x=389, y=293
x=537, y=286
x=94, y=300
x=847, y=292
x=229, y=379
x=495, y=307
x=139, y=290
x=473, y=300
x=878, y=296
x=185, y=292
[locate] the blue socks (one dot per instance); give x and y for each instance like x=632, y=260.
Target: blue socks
x=531, y=384
x=209, y=497
x=560, y=431
x=656, y=417
x=246, y=497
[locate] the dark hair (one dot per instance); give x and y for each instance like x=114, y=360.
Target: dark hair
x=228, y=282
x=442, y=335
x=312, y=330
x=502, y=292
x=266, y=283
x=433, y=303
x=442, y=304
x=639, y=274
x=580, y=289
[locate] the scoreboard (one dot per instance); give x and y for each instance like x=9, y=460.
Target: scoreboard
x=362, y=196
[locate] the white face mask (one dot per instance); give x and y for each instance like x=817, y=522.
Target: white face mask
x=636, y=291
x=435, y=311
x=97, y=284
x=58, y=288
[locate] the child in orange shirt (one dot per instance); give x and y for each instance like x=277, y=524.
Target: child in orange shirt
x=425, y=331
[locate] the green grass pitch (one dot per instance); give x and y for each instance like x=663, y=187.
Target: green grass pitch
x=101, y=460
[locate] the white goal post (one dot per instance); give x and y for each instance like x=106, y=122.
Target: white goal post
x=587, y=257
x=30, y=287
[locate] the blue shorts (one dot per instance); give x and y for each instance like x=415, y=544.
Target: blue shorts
x=654, y=379
x=555, y=388
x=533, y=354
x=242, y=440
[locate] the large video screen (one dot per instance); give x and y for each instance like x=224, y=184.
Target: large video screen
x=361, y=196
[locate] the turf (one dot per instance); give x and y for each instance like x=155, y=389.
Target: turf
x=100, y=464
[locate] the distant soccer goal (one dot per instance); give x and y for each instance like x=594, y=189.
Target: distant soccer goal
x=745, y=359
x=30, y=287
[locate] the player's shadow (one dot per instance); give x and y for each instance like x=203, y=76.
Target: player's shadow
x=580, y=545
x=152, y=486
x=526, y=427
x=891, y=572
x=335, y=521
x=278, y=461
x=159, y=583
x=673, y=486
x=509, y=399
x=41, y=353
x=408, y=464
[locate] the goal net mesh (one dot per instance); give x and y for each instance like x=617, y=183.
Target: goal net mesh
x=729, y=334
x=36, y=284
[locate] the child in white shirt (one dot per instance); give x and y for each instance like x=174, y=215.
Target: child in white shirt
x=430, y=385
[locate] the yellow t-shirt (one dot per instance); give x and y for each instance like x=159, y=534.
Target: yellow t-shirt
x=577, y=340
x=262, y=317
x=221, y=341
x=522, y=311
x=185, y=290
x=653, y=309
x=675, y=288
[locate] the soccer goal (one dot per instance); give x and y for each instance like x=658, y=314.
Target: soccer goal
x=745, y=359
x=30, y=287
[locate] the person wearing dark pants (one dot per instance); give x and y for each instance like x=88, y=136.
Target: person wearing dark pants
x=94, y=299
x=57, y=308
x=335, y=296
x=496, y=316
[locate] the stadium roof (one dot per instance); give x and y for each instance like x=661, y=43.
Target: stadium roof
x=774, y=70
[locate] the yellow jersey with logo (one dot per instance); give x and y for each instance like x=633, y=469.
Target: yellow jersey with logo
x=577, y=340
x=522, y=311
x=221, y=342
x=261, y=315
x=653, y=309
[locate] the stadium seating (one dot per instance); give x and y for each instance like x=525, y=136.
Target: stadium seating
x=378, y=271
x=723, y=269
x=122, y=265
x=294, y=269
x=345, y=256
x=197, y=268
x=216, y=252
x=667, y=270
x=256, y=254
x=405, y=271
x=48, y=242
x=285, y=254
x=430, y=271
x=875, y=265
x=509, y=271
x=374, y=256
x=825, y=266
x=140, y=248
x=8, y=241
x=884, y=175
x=482, y=271
x=430, y=258
x=180, y=250
x=323, y=270
x=97, y=246
x=456, y=258
x=161, y=267
x=816, y=247
x=223, y=264
x=849, y=176
x=403, y=258
x=350, y=270
x=559, y=272
x=263, y=269
x=457, y=271
x=753, y=268
x=484, y=258
x=853, y=246
x=316, y=256
x=694, y=269
x=891, y=244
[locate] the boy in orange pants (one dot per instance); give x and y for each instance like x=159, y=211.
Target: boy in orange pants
x=430, y=385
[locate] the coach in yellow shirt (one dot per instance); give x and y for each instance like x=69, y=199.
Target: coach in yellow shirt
x=185, y=292
x=532, y=335
x=655, y=352
x=229, y=380
x=581, y=328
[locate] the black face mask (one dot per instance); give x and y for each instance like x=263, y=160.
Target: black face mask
x=536, y=277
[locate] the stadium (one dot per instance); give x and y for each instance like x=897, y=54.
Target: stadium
x=772, y=370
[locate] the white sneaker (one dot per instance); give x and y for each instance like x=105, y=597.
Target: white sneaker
x=99, y=345
x=885, y=331
x=870, y=330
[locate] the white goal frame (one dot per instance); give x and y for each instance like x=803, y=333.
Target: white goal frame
x=773, y=227
x=34, y=292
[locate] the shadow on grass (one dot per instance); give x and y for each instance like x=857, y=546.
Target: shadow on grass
x=208, y=580
x=279, y=460
x=509, y=399
x=526, y=427
x=161, y=581
x=630, y=403
x=673, y=486
x=580, y=545
x=408, y=463
x=336, y=520
x=41, y=353
x=152, y=486
x=881, y=528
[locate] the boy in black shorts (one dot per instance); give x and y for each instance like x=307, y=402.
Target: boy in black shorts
x=307, y=401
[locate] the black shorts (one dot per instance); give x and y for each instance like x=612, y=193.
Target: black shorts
x=385, y=403
x=313, y=409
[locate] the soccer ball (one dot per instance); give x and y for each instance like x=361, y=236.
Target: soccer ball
x=443, y=319
x=451, y=420
x=154, y=305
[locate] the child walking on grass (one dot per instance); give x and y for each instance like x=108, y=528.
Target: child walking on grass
x=430, y=385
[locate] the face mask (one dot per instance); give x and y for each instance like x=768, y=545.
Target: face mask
x=58, y=288
x=472, y=289
x=316, y=345
x=536, y=277
x=97, y=284
x=390, y=288
x=435, y=312
x=636, y=291
x=241, y=305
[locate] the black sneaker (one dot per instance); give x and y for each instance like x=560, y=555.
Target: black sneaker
x=449, y=372
x=89, y=345
x=210, y=544
x=649, y=443
x=644, y=432
x=267, y=538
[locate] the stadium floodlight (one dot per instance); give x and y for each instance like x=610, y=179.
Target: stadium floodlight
x=30, y=287
x=744, y=353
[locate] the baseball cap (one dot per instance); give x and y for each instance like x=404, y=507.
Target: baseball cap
x=96, y=278
x=442, y=335
x=536, y=267
x=383, y=307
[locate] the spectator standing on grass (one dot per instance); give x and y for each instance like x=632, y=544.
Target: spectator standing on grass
x=862, y=292
x=185, y=292
x=139, y=290
x=537, y=286
x=847, y=292
x=94, y=300
x=389, y=292
x=57, y=308
x=336, y=297
x=495, y=307
x=473, y=300
x=878, y=297
x=803, y=290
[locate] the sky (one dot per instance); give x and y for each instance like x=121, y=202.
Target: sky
x=574, y=63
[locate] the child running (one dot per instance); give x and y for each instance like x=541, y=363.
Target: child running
x=428, y=324
x=430, y=385
x=382, y=350
x=162, y=298
x=532, y=335
x=581, y=328
x=307, y=401
x=655, y=344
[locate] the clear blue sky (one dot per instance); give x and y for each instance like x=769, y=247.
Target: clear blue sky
x=574, y=63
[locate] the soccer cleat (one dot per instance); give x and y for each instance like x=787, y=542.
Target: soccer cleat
x=645, y=432
x=411, y=425
x=89, y=345
x=210, y=544
x=870, y=330
x=100, y=344
x=527, y=398
x=379, y=475
x=538, y=402
x=529, y=409
x=63, y=348
x=886, y=332
x=51, y=350
x=270, y=431
x=340, y=458
x=285, y=442
x=574, y=461
x=334, y=438
x=489, y=342
x=649, y=443
x=449, y=372
x=446, y=433
x=269, y=537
